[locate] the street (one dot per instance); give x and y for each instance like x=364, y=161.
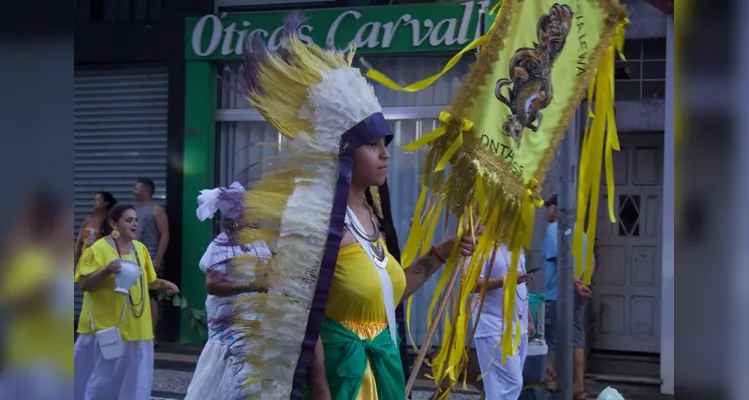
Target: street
x=172, y=384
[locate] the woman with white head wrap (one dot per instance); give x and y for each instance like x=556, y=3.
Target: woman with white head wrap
x=214, y=376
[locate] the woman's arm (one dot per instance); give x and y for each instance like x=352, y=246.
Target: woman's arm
x=429, y=263
x=317, y=381
x=498, y=283
x=93, y=281
x=423, y=268
x=79, y=242
x=216, y=285
x=163, y=285
x=162, y=224
x=491, y=284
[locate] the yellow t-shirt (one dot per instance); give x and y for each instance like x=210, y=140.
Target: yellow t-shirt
x=32, y=336
x=107, y=304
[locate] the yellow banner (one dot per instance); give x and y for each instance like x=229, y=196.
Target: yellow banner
x=534, y=77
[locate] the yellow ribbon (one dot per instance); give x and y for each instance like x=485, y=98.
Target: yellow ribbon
x=413, y=243
x=480, y=193
x=508, y=349
x=600, y=140
x=529, y=203
x=449, y=153
x=619, y=39
x=495, y=8
x=445, y=118
x=612, y=141
x=378, y=76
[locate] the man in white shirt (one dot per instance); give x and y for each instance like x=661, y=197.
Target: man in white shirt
x=501, y=381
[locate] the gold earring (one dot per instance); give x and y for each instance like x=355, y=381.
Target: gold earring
x=115, y=233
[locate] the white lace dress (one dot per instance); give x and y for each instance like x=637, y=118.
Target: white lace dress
x=214, y=377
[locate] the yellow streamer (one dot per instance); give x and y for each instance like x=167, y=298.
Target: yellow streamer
x=378, y=76
x=451, y=263
x=414, y=238
x=426, y=139
x=445, y=118
x=425, y=228
x=449, y=153
x=600, y=140
x=480, y=193
x=495, y=8
x=529, y=204
x=508, y=349
x=521, y=239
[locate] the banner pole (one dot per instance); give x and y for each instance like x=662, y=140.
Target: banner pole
x=566, y=205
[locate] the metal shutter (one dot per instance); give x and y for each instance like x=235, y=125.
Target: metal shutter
x=120, y=134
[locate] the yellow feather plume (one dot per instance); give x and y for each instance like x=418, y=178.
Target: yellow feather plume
x=286, y=78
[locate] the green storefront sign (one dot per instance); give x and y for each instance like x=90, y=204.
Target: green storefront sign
x=384, y=29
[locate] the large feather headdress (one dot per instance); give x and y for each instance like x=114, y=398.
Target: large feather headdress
x=325, y=109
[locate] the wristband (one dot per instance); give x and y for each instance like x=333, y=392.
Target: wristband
x=437, y=255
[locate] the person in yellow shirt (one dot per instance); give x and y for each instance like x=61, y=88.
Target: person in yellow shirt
x=128, y=374
x=35, y=297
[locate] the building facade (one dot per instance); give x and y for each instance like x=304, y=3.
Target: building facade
x=155, y=97
x=128, y=110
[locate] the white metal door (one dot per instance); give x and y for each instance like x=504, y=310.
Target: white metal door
x=627, y=284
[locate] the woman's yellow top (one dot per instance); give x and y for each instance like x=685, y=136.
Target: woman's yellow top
x=105, y=303
x=355, y=300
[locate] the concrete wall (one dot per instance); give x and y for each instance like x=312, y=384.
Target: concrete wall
x=645, y=20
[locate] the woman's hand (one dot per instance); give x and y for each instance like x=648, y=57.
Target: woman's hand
x=582, y=289
x=114, y=266
x=531, y=327
x=169, y=288
x=523, y=278
x=467, y=243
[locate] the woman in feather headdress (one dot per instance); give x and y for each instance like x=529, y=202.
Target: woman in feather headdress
x=329, y=320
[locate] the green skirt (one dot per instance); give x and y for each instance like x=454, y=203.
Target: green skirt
x=346, y=356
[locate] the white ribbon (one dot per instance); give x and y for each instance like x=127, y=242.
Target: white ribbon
x=208, y=201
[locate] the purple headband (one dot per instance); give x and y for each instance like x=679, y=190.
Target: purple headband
x=369, y=130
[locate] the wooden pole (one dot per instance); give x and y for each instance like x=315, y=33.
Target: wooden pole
x=432, y=329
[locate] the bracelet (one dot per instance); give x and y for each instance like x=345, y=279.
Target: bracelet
x=437, y=255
